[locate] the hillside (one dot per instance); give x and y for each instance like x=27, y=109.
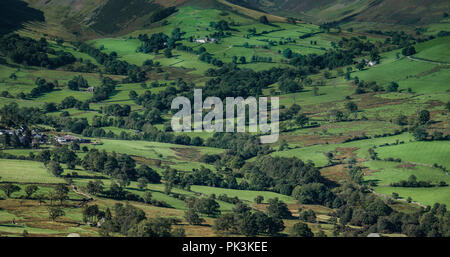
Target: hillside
x=81, y=20
x=14, y=13
x=74, y=19
x=386, y=11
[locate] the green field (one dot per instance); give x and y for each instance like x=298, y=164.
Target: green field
x=241, y=194
x=26, y=172
x=419, y=152
x=435, y=50
x=150, y=149
x=317, y=153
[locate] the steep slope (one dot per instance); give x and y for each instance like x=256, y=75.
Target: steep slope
x=92, y=18
x=14, y=13
x=117, y=15
x=386, y=11
x=87, y=19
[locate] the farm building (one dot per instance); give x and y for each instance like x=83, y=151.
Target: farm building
x=69, y=138
x=205, y=40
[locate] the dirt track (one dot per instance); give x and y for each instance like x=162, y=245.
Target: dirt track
x=428, y=61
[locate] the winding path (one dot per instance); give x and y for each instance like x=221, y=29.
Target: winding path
x=81, y=193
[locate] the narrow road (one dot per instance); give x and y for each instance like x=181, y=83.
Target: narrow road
x=412, y=58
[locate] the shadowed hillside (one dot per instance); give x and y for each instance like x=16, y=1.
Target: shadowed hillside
x=81, y=20
x=116, y=15
x=76, y=19
x=14, y=13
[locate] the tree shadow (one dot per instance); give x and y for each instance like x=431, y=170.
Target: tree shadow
x=369, y=181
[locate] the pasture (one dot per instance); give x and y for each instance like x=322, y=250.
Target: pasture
x=26, y=172
x=427, y=153
x=245, y=195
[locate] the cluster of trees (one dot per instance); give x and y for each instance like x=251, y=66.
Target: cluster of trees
x=59, y=193
x=162, y=100
x=34, y=53
x=232, y=81
x=356, y=46
x=92, y=214
x=301, y=229
x=397, y=38
x=349, y=48
x=288, y=176
x=228, y=199
x=14, y=116
x=154, y=44
x=239, y=144
x=221, y=25
x=256, y=58
x=412, y=182
x=330, y=59
x=161, y=41
x=122, y=167
x=362, y=86
x=314, y=193
x=113, y=65
x=74, y=125
x=408, y=51
x=202, y=176
x=291, y=112
x=125, y=118
x=219, y=35
x=419, y=125
x=117, y=110
x=66, y=103
x=207, y=206
x=77, y=82
x=242, y=220
x=307, y=215
x=209, y=58
x=103, y=91
x=283, y=175
x=289, y=86
x=118, y=191
x=150, y=133
x=360, y=208
x=42, y=86
x=132, y=221
x=9, y=189
x=59, y=154
x=205, y=176
x=192, y=217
